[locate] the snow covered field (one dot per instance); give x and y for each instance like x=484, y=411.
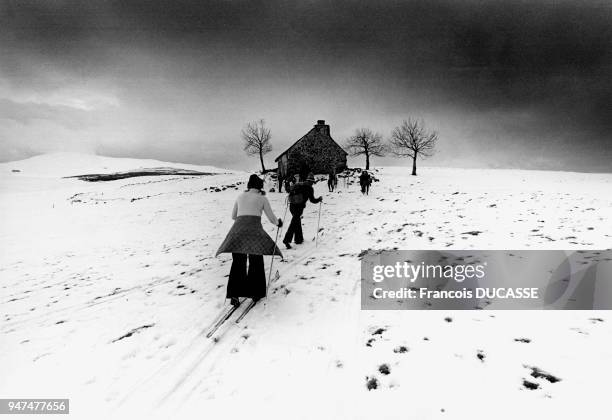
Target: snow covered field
x=106, y=288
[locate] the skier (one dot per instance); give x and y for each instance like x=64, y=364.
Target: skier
x=332, y=180
x=365, y=180
x=248, y=239
x=290, y=182
x=299, y=194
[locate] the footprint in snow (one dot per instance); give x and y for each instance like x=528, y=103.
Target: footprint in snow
x=384, y=369
x=379, y=331
x=539, y=373
x=371, y=383
x=530, y=385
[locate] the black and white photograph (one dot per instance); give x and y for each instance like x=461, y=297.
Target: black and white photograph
x=309, y=209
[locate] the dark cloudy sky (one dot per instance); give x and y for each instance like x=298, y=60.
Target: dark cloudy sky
x=506, y=83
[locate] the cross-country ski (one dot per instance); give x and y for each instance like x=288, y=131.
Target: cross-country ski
x=225, y=315
x=250, y=306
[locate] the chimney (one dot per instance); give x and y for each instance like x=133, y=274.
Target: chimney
x=321, y=127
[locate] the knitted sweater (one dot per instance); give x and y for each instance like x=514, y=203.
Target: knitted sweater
x=253, y=203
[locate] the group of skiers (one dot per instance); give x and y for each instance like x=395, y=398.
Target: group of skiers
x=365, y=180
x=247, y=240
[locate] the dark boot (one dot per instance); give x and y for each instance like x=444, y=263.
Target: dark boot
x=235, y=301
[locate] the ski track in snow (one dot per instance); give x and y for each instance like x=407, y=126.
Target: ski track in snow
x=107, y=290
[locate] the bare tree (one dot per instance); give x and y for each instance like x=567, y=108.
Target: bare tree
x=256, y=139
x=365, y=142
x=412, y=139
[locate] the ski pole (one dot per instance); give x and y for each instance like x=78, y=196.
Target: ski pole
x=286, y=207
x=318, y=223
x=272, y=262
x=285, y=215
x=275, y=247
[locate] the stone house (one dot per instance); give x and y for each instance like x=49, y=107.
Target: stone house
x=315, y=152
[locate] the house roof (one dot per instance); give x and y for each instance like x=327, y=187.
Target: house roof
x=302, y=138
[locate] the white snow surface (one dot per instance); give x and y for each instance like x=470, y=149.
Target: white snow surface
x=63, y=164
x=107, y=288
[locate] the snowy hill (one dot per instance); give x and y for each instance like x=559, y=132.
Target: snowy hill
x=66, y=164
x=106, y=289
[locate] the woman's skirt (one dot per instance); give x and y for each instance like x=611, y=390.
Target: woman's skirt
x=247, y=236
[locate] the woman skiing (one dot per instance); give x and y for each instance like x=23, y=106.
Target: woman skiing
x=248, y=239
